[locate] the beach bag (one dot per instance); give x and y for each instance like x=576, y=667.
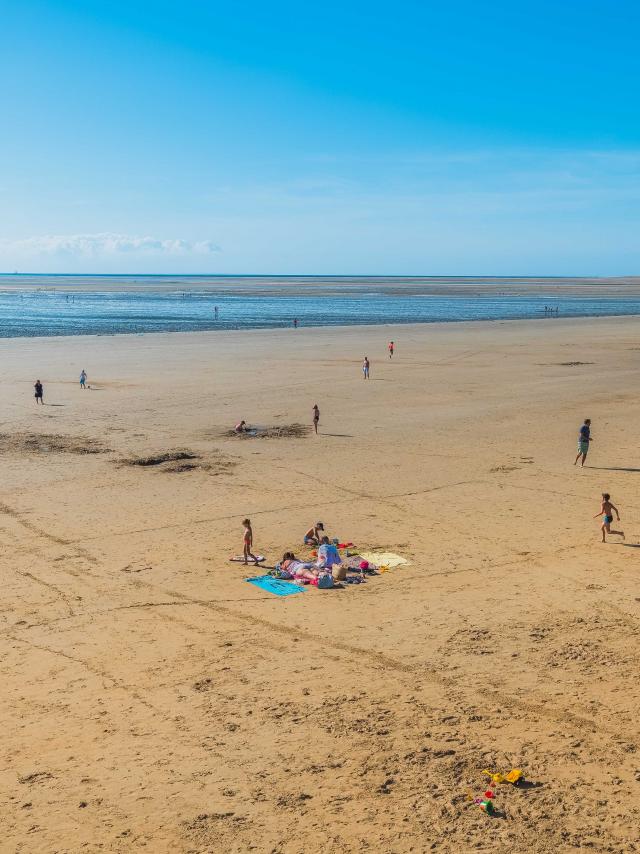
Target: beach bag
x=339, y=573
x=325, y=581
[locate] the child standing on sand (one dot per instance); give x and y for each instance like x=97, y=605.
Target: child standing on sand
x=391, y=348
x=39, y=392
x=83, y=378
x=607, y=509
x=365, y=368
x=247, y=543
x=316, y=417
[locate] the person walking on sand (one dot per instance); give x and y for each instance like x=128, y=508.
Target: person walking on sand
x=365, y=368
x=83, y=378
x=391, y=348
x=316, y=417
x=607, y=509
x=247, y=543
x=584, y=437
x=39, y=395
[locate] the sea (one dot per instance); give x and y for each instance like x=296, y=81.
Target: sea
x=47, y=305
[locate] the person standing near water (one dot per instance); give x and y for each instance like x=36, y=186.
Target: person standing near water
x=215, y=312
x=607, y=509
x=584, y=438
x=39, y=392
x=316, y=417
x=365, y=368
x=83, y=378
x=295, y=322
x=390, y=349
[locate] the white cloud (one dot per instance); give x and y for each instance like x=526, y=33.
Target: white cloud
x=104, y=244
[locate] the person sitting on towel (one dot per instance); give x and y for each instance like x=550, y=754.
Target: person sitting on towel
x=312, y=537
x=327, y=555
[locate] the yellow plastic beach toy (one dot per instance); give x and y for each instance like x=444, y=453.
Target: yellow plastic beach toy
x=514, y=776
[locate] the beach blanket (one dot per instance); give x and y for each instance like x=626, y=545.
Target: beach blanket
x=274, y=585
x=388, y=559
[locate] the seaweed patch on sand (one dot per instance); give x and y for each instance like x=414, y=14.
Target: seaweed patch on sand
x=182, y=460
x=283, y=431
x=49, y=443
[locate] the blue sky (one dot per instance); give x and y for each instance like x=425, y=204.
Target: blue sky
x=280, y=137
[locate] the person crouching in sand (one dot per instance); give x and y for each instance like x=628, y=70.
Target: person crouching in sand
x=312, y=537
x=607, y=509
x=247, y=543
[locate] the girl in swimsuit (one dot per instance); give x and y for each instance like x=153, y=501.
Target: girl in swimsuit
x=607, y=509
x=247, y=543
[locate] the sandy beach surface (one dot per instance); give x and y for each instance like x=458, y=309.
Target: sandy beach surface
x=153, y=700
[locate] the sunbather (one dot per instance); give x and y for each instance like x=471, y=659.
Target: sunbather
x=297, y=568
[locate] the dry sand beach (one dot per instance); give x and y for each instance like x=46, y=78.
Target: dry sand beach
x=153, y=700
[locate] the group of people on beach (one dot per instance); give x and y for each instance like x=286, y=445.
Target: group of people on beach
x=327, y=555
x=39, y=388
x=607, y=508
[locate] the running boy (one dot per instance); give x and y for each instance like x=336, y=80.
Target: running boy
x=607, y=510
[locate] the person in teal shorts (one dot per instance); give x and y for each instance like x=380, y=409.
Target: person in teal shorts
x=584, y=438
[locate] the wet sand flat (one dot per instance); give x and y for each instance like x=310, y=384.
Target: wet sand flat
x=154, y=701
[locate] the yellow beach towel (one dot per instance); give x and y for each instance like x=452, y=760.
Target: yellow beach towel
x=388, y=559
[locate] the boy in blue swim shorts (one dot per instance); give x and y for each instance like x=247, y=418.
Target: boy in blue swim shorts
x=607, y=509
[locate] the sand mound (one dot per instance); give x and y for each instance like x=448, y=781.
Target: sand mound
x=49, y=443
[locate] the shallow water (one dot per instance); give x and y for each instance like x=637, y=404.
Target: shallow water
x=170, y=304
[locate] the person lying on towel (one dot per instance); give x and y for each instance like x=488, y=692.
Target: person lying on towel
x=327, y=555
x=294, y=568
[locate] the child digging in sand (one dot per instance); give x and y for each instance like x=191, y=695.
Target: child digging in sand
x=247, y=543
x=607, y=510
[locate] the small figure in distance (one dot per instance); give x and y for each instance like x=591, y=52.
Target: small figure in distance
x=247, y=542
x=584, y=438
x=365, y=368
x=39, y=392
x=241, y=427
x=607, y=509
x=295, y=323
x=316, y=417
x=391, y=348
x=83, y=378
x=215, y=312
x=312, y=537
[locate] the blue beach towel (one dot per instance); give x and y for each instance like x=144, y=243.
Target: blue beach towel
x=274, y=585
